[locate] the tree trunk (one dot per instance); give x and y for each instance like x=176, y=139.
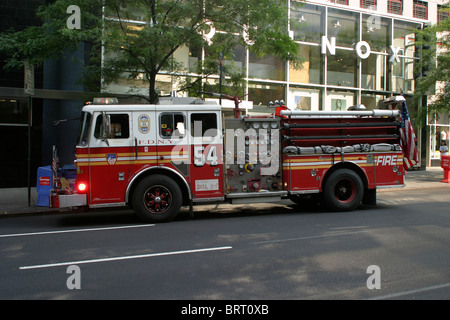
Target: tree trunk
x=153, y=95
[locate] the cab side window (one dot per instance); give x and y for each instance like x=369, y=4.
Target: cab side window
x=172, y=125
x=204, y=125
x=120, y=126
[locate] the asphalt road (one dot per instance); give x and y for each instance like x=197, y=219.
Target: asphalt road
x=254, y=252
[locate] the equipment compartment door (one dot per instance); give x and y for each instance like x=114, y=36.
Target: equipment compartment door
x=206, y=150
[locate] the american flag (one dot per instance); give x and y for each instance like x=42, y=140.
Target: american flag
x=408, y=139
x=54, y=167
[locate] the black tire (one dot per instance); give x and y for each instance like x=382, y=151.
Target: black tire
x=157, y=198
x=343, y=191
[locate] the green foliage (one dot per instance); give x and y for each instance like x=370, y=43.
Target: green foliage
x=433, y=69
x=139, y=37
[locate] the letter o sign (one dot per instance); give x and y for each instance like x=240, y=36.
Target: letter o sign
x=359, y=46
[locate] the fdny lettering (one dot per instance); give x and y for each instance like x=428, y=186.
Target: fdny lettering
x=159, y=141
x=390, y=160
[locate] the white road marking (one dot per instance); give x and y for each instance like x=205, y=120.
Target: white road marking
x=71, y=231
x=140, y=256
x=404, y=293
x=312, y=237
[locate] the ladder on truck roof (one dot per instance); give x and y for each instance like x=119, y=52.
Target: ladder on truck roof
x=373, y=113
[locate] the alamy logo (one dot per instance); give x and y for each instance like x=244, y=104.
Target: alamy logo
x=241, y=147
x=74, y=21
x=74, y=280
x=374, y=280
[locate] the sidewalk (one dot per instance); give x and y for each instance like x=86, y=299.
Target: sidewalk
x=15, y=200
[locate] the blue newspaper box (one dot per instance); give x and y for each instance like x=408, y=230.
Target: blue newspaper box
x=43, y=186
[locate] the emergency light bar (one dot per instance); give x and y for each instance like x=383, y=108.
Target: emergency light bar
x=105, y=101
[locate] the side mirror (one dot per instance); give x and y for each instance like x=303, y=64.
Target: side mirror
x=106, y=121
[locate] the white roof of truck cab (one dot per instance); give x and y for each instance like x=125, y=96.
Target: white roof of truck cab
x=151, y=108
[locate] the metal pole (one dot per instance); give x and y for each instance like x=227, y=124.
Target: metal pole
x=220, y=76
x=30, y=106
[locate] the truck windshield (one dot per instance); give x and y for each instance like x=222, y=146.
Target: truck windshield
x=85, y=125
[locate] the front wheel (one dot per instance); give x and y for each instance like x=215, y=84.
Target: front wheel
x=157, y=198
x=343, y=191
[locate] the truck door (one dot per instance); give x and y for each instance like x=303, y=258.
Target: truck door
x=172, y=140
x=206, y=149
x=111, y=158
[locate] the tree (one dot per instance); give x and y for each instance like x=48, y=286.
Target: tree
x=138, y=38
x=433, y=69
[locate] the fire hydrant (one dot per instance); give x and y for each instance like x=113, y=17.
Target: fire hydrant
x=445, y=164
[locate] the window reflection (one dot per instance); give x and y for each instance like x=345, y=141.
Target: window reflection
x=268, y=67
x=342, y=69
x=307, y=22
x=312, y=68
x=404, y=37
x=373, y=101
x=261, y=94
x=344, y=26
x=403, y=75
x=373, y=72
x=377, y=32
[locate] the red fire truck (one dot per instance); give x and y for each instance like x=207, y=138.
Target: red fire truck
x=158, y=158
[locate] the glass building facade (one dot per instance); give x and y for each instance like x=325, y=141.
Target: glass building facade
x=351, y=56
x=354, y=51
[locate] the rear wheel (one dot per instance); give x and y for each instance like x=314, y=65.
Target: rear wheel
x=157, y=198
x=343, y=190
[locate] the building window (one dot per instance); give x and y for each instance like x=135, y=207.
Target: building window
x=262, y=93
x=402, y=71
x=373, y=72
x=377, y=32
x=303, y=98
x=344, y=25
x=307, y=22
x=312, y=68
x=395, y=6
x=404, y=37
x=342, y=69
x=368, y=4
x=267, y=67
x=420, y=10
x=13, y=112
x=339, y=100
x=373, y=101
x=343, y=2
x=442, y=15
